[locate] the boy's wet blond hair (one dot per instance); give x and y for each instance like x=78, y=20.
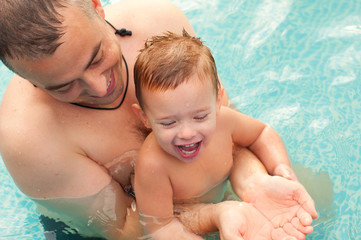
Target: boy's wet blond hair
x=171, y=59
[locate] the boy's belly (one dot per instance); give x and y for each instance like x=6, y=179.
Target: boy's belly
x=213, y=195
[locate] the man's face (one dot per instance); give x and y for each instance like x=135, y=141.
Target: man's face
x=86, y=68
x=183, y=119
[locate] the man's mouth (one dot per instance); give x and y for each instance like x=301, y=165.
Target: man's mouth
x=110, y=79
x=110, y=85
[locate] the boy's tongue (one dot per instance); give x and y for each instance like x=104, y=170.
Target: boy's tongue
x=188, y=150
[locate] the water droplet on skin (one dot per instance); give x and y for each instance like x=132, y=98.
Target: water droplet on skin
x=133, y=206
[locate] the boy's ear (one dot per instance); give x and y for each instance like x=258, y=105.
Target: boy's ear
x=220, y=97
x=140, y=114
x=98, y=8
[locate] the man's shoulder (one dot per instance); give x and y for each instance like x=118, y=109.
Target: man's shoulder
x=37, y=151
x=23, y=111
x=147, y=18
x=25, y=132
x=135, y=6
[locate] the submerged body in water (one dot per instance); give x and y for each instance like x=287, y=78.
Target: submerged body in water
x=95, y=212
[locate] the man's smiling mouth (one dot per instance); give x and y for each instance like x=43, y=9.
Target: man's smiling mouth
x=110, y=79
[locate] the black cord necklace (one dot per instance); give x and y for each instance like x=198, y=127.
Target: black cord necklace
x=121, y=102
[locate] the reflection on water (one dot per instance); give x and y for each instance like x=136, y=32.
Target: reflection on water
x=296, y=65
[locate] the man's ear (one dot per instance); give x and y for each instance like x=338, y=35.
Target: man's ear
x=140, y=114
x=98, y=8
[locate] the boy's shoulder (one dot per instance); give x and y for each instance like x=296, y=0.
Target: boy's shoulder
x=150, y=155
x=227, y=114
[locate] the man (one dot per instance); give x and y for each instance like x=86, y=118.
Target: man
x=68, y=135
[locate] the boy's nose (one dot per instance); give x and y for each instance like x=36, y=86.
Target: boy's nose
x=186, y=132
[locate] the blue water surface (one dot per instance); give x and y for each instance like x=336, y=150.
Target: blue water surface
x=294, y=64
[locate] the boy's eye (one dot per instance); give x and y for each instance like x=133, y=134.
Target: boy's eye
x=167, y=124
x=201, y=117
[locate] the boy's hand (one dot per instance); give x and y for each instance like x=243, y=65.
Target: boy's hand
x=285, y=171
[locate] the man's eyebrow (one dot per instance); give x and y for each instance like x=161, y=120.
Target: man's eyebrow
x=94, y=54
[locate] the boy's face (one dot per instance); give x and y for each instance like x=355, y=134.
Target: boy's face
x=183, y=119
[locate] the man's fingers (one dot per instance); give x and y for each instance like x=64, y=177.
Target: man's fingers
x=304, y=217
x=294, y=232
x=304, y=229
x=307, y=203
x=280, y=234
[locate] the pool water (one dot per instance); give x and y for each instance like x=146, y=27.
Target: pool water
x=294, y=64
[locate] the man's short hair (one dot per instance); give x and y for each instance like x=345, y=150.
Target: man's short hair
x=33, y=28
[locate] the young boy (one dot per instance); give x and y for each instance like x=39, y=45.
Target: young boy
x=187, y=157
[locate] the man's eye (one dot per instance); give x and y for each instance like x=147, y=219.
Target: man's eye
x=64, y=89
x=98, y=60
x=95, y=62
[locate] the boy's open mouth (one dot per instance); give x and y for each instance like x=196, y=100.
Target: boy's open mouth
x=189, y=150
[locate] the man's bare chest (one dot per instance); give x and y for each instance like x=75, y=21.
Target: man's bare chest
x=105, y=135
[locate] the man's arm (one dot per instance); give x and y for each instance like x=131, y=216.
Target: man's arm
x=250, y=180
x=203, y=218
x=277, y=198
x=109, y=214
x=240, y=220
x=73, y=190
x=45, y=163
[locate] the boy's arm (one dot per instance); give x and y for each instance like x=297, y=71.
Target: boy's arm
x=263, y=141
x=270, y=148
x=154, y=196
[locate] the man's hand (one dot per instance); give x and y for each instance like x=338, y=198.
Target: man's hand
x=283, y=202
x=240, y=220
x=173, y=230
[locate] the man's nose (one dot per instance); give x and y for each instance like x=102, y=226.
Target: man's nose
x=96, y=85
